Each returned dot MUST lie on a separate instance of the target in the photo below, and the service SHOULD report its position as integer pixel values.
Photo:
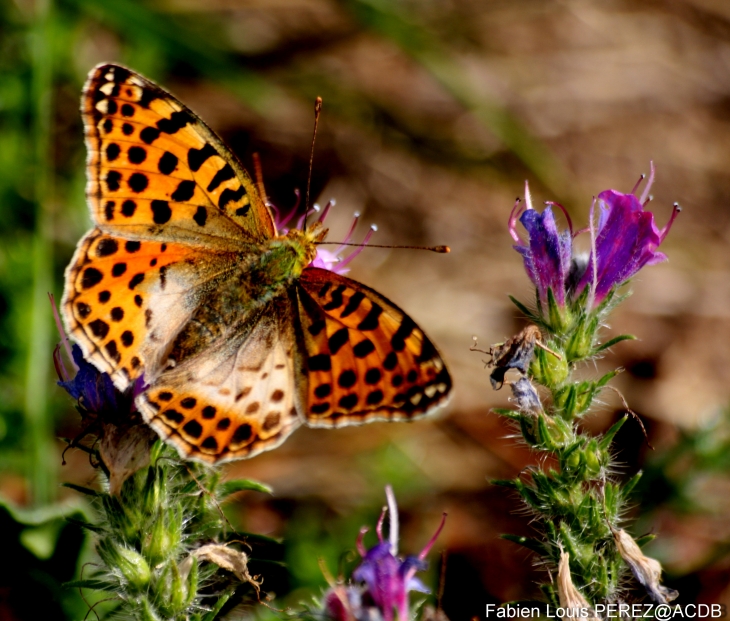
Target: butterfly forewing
(366, 359)
(156, 171)
(125, 299)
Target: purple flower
(93, 390)
(325, 259)
(547, 252)
(388, 578)
(627, 239)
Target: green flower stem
(576, 500)
(41, 473)
(163, 542)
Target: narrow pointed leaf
(610, 343)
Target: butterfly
(186, 282)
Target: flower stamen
(514, 216)
(676, 210)
(647, 189)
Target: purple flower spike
(627, 239)
(389, 578)
(547, 252)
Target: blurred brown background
(435, 113)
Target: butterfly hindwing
(156, 171)
(366, 359)
(235, 399)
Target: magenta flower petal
(389, 578)
(547, 253)
(627, 239)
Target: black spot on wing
(229, 195)
(224, 174)
(175, 123)
(91, 278)
(99, 328)
(128, 208)
(336, 300)
(197, 157)
(167, 163)
(136, 155)
(149, 134)
(138, 182)
(113, 178)
(184, 191)
(320, 362)
(337, 340)
(112, 152)
(193, 428)
(347, 379)
(353, 304)
(405, 329)
(371, 321)
(201, 216)
(363, 348)
(161, 212)
(106, 247)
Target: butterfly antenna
(259, 178)
(439, 249)
(317, 112)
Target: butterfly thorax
(287, 255)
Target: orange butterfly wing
(366, 359)
(156, 171)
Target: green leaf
(526, 542)
(607, 378)
(81, 489)
(505, 483)
(96, 585)
(525, 428)
(615, 340)
(554, 315)
(608, 438)
(644, 539)
(631, 484)
(94, 528)
(544, 434)
(524, 310)
(239, 485)
(511, 414)
(213, 613)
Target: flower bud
(130, 563)
(549, 370)
(592, 460)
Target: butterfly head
(301, 246)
